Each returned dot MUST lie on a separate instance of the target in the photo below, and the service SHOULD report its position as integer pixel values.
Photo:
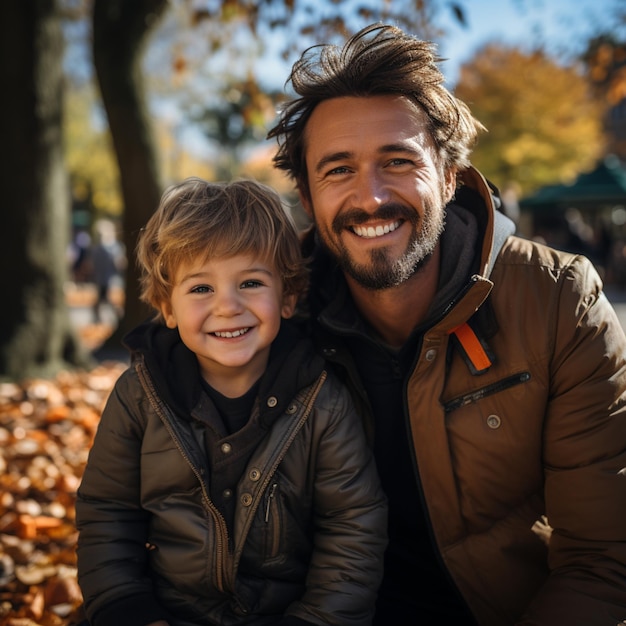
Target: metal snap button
(493, 421)
(430, 354)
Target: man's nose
(371, 191)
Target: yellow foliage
(89, 155)
(543, 123)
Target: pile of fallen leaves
(46, 431)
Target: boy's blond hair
(201, 220)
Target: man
(490, 370)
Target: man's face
(377, 190)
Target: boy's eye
(200, 289)
(247, 284)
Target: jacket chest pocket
(486, 391)
(503, 417)
(495, 436)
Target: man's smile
(370, 232)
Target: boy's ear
(168, 315)
(289, 305)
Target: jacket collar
(496, 226)
(329, 303)
(174, 368)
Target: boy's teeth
(230, 334)
(369, 232)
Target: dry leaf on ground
(46, 430)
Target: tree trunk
(36, 338)
(120, 32)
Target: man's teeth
(368, 232)
(227, 334)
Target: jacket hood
(172, 366)
(483, 198)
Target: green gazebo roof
(604, 186)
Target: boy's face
(228, 311)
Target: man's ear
(450, 183)
(305, 200)
(289, 305)
(168, 315)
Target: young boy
(229, 481)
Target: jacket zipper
(270, 497)
(221, 536)
(489, 390)
(275, 538)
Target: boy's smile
(230, 334)
(228, 311)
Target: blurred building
(587, 217)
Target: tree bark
(120, 33)
(36, 338)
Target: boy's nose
(227, 303)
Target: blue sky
(563, 26)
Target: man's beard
(382, 272)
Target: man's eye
(342, 169)
(400, 161)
